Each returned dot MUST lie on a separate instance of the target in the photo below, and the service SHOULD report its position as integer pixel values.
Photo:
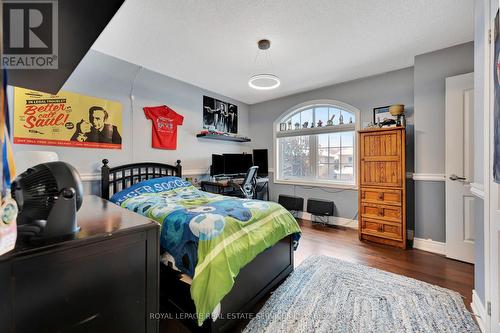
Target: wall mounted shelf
(223, 137)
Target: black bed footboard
(253, 283)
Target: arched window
(316, 144)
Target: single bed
(254, 281)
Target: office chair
(247, 188)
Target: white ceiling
(212, 43)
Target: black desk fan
(48, 196)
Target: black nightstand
(105, 279)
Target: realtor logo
(30, 34)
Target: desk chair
(247, 188)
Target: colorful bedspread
(210, 237)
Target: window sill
(317, 184)
(316, 130)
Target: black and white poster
(496, 115)
(219, 116)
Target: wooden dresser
(382, 186)
(104, 279)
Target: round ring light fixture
(264, 81)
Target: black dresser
(105, 279)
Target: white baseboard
(477, 190)
(333, 220)
(431, 177)
(429, 245)
(478, 310)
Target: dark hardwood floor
(343, 243)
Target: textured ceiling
(212, 43)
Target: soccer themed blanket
(210, 237)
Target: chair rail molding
(431, 177)
(90, 176)
(95, 176)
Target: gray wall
(364, 94)
(430, 210)
(430, 72)
(107, 77)
(422, 90)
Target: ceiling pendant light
(264, 81)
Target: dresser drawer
(383, 212)
(381, 229)
(382, 196)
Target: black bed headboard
(121, 177)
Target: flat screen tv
(246, 162)
(235, 164)
(217, 165)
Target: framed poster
(496, 112)
(219, 116)
(382, 113)
(66, 119)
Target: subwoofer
(320, 207)
(290, 202)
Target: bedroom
(126, 68)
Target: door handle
(455, 177)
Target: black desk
(225, 186)
(105, 279)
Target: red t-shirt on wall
(165, 122)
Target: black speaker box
(260, 160)
(291, 203)
(320, 207)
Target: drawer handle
(380, 228)
(381, 211)
(381, 196)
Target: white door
(459, 133)
(492, 229)
(494, 248)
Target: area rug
(325, 294)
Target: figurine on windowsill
(350, 120)
(329, 122)
(312, 125)
(289, 125)
(305, 124)
(341, 119)
(320, 123)
(297, 126)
